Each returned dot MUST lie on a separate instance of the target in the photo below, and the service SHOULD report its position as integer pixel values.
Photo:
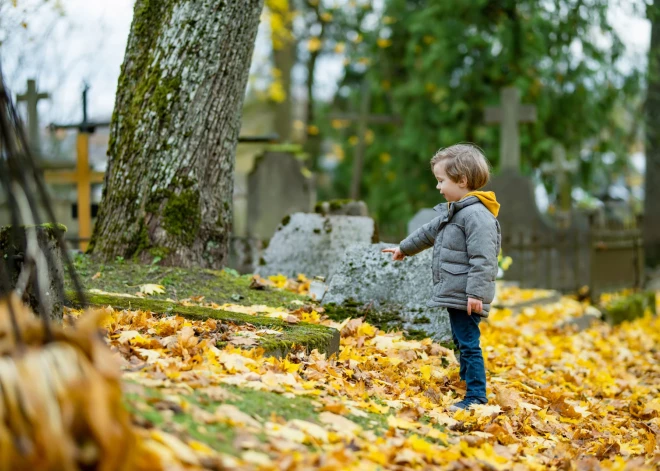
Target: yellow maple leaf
(396, 422)
(279, 280)
(151, 288)
(426, 372)
(367, 330)
(291, 367)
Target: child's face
(452, 191)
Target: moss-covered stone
(50, 229)
(219, 286)
(333, 205)
(311, 336)
(384, 320)
(13, 243)
(295, 149)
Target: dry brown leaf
(234, 416)
(508, 399)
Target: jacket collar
(449, 209)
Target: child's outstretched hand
(396, 253)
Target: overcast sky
(89, 43)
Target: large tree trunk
(651, 230)
(168, 188)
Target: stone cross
(560, 168)
(509, 114)
(32, 97)
(363, 118)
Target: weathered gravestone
(277, 186)
(312, 244)
(544, 255)
(366, 275)
(422, 217)
(342, 208)
(48, 277)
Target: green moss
(49, 228)
(416, 334)
(449, 344)
(285, 220)
(324, 339)
(332, 205)
(384, 320)
(181, 216)
(218, 286)
(337, 204)
(295, 149)
(148, 405)
(165, 91)
(628, 308)
(149, 91)
(139, 243)
(159, 252)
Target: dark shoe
(467, 403)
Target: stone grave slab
(312, 244)
(366, 275)
(278, 185)
(422, 217)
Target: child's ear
(463, 183)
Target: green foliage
(630, 307)
(438, 63)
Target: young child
(466, 241)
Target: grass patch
(219, 286)
(151, 408)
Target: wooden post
(82, 177)
(83, 181)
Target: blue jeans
(465, 332)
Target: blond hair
(464, 160)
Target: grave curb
(311, 336)
(552, 298)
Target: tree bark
(651, 229)
(170, 178)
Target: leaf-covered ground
(559, 398)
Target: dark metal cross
(363, 119)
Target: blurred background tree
(438, 63)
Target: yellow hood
(488, 200)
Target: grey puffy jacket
(466, 240)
